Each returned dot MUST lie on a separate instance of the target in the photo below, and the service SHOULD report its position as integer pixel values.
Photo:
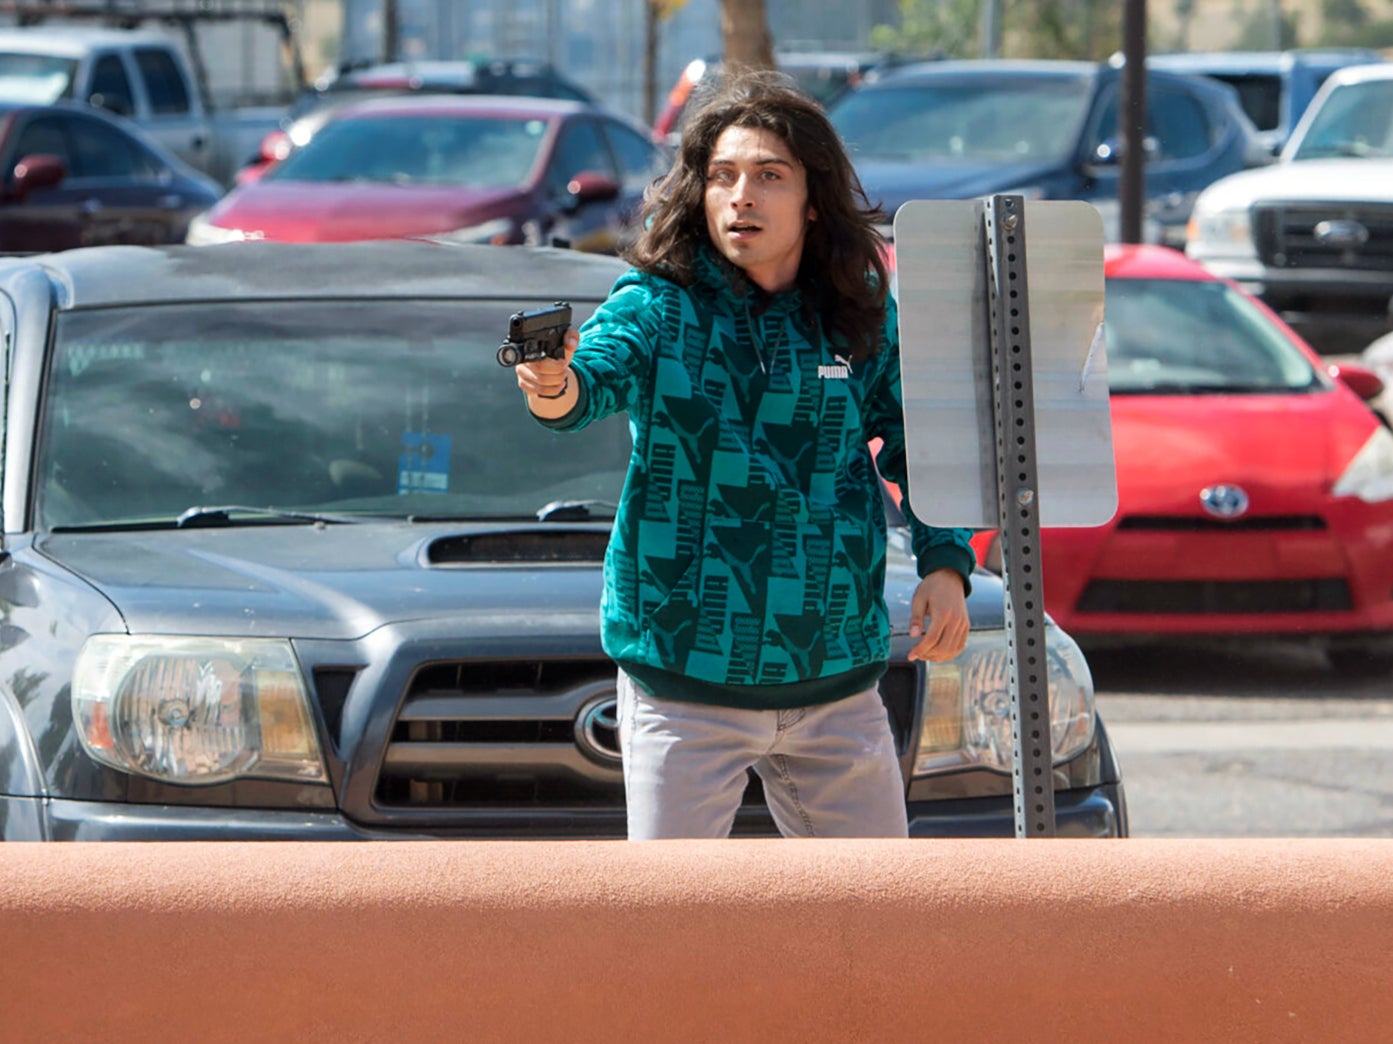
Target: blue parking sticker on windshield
(425, 463)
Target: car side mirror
(1109, 151)
(592, 187)
(1363, 382)
(39, 171)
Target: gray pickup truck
(141, 75)
(284, 557)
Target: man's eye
(769, 175)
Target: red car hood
(309, 212)
(1281, 451)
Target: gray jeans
(828, 771)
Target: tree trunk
(745, 32)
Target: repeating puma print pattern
(749, 549)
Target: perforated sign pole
(1017, 486)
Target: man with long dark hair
(755, 348)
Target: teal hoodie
(747, 563)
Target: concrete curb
(1134, 940)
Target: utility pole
(391, 31)
(989, 29)
(1131, 115)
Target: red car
(476, 169)
(1255, 484)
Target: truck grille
(1351, 236)
(514, 737)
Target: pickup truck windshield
(1187, 337)
(377, 408)
(36, 79)
(1012, 119)
(1356, 119)
(428, 150)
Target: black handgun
(534, 335)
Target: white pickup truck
(1312, 234)
(142, 75)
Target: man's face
(757, 205)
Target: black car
(74, 177)
(1042, 130)
(285, 557)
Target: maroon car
(75, 176)
(479, 169)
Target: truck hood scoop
(530, 545)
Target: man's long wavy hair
(842, 275)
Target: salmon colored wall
(1041, 940)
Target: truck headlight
(967, 708)
(195, 710)
(1219, 232)
(1369, 476)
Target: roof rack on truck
(186, 14)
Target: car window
(1179, 122)
(111, 88)
(579, 149)
(385, 408)
(1173, 336)
(36, 78)
(639, 159)
(401, 149)
(1355, 120)
(102, 151)
(46, 136)
(1005, 120)
(1259, 95)
(164, 85)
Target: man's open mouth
(740, 227)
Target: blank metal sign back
(945, 352)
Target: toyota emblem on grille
(597, 728)
(1341, 233)
(1224, 501)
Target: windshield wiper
(221, 515)
(575, 510)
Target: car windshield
(1184, 337)
(478, 151)
(1015, 119)
(1356, 119)
(371, 408)
(36, 79)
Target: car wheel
(1360, 663)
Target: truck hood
(893, 184)
(335, 582)
(310, 212)
(1340, 180)
(341, 582)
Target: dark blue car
(1043, 130)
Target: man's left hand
(941, 598)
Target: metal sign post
(1006, 413)
(1018, 515)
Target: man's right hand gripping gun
(534, 335)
